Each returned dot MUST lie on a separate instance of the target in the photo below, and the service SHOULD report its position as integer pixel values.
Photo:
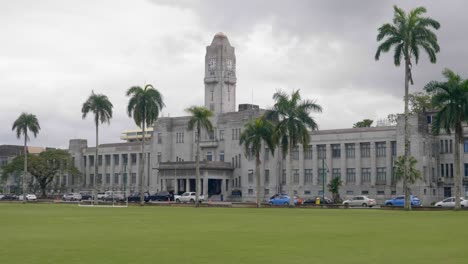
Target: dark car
(86, 196)
(162, 196)
(322, 201)
(135, 197)
(9, 197)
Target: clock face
(212, 64)
(229, 64)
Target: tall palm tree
(451, 99)
(291, 115)
(255, 132)
(200, 119)
(144, 105)
(101, 107)
(405, 169)
(408, 34)
(24, 123)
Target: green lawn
(66, 234)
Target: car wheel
(462, 205)
(286, 203)
(364, 205)
(346, 204)
(192, 200)
(271, 203)
(439, 205)
(177, 201)
(388, 204)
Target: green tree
(292, 120)
(451, 98)
(364, 123)
(255, 133)
(101, 107)
(45, 167)
(401, 165)
(200, 119)
(24, 123)
(334, 188)
(408, 34)
(419, 102)
(144, 105)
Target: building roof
(220, 39)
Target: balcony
(212, 143)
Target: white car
(71, 197)
(29, 197)
(450, 202)
(189, 197)
(361, 200)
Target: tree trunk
(25, 172)
(257, 175)
(407, 135)
(456, 154)
(96, 163)
(290, 190)
(43, 190)
(142, 164)
(197, 170)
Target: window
(296, 176)
(441, 170)
(429, 119)
(91, 178)
(116, 159)
(350, 150)
(322, 175)
(239, 160)
(108, 178)
(349, 193)
(336, 173)
(221, 155)
(100, 160)
(364, 192)
(159, 157)
(451, 146)
(307, 192)
(133, 179)
(308, 176)
(308, 152)
(235, 161)
(267, 191)
(350, 175)
(221, 134)
(447, 170)
(381, 149)
(393, 148)
(365, 150)
(108, 160)
(295, 153)
(283, 177)
(267, 177)
(251, 192)
(180, 137)
(266, 155)
(236, 133)
(159, 138)
(465, 145)
(365, 175)
(380, 192)
(381, 175)
(116, 178)
(134, 158)
(466, 169)
(336, 150)
(99, 178)
(209, 156)
(321, 151)
(250, 176)
(451, 170)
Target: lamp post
(125, 179)
(323, 180)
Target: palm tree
(101, 107)
(255, 132)
(200, 119)
(291, 115)
(24, 123)
(405, 169)
(144, 105)
(408, 34)
(451, 99)
(334, 188)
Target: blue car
(400, 201)
(281, 200)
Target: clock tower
(220, 75)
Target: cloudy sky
(53, 53)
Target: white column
(343, 163)
(373, 163)
(315, 165)
(329, 164)
(388, 163)
(137, 171)
(357, 155)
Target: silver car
(450, 202)
(361, 200)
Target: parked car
(162, 196)
(29, 197)
(135, 197)
(113, 196)
(361, 200)
(282, 200)
(189, 197)
(86, 196)
(72, 197)
(101, 195)
(400, 201)
(8, 197)
(450, 202)
(322, 201)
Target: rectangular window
(108, 178)
(466, 169)
(336, 150)
(99, 178)
(446, 150)
(251, 192)
(159, 138)
(322, 175)
(321, 152)
(108, 160)
(221, 156)
(442, 170)
(394, 150)
(365, 150)
(350, 151)
(295, 153)
(283, 177)
(307, 192)
(296, 176)
(266, 155)
(267, 177)
(91, 179)
(100, 160)
(451, 170)
(381, 149)
(380, 192)
(116, 159)
(267, 191)
(133, 180)
(221, 134)
(134, 158)
(364, 192)
(447, 170)
(350, 175)
(365, 175)
(465, 145)
(381, 175)
(336, 173)
(116, 178)
(250, 176)
(159, 157)
(349, 192)
(308, 153)
(209, 156)
(451, 146)
(308, 176)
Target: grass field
(66, 234)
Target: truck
(189, 197)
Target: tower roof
(220, 39)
